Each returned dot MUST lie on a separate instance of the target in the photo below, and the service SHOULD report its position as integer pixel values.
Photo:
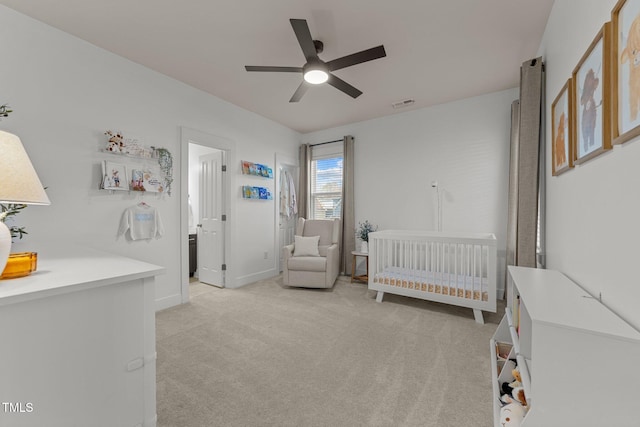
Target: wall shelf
(152, 173)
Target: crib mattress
(457, 285)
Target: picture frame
(625, 28)
(137, 180)
(562, 116)
(114, 176)
(592, 99)
(148, 179)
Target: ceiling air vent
(403, 103)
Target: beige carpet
(268, 355)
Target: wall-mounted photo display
(625, 70)
(591, 99)
(562, 131)
(157, 178)
(260, 193)
(114, 176)
(250, 168)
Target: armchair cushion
(308, 263)
(306, 246)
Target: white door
(211, 226)
(287, 224)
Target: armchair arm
(333, 263)
(287, 252)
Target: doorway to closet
(205, 203)
(207, 214)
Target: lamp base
(20, 264)
(5, 244)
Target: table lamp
(19, 184)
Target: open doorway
(205, 203)
(206, 215)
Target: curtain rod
(328, 142)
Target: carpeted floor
(268, 355)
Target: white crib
(444, 267)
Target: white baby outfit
(142, 221)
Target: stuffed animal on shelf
(517, 396)
(511, 415)
(116, 141)
(507, 388)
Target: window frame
(319, 153)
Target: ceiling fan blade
(357, 58)
(302, 89)
(343, 86)
(275, 69)
(303, 34)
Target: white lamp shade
(19, 182)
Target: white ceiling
(437, 50)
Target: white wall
(65, 93)
(592, 211)
(463, 145)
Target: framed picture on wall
(591, 99)
(137, 178)
(114, 176)
(625, 70)
(148, 179)
(562, 131)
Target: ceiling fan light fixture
(316, 75)
(315, 71)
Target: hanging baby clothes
(293, 202)
(288, 204)
(191, 220)
(284, 194)
(142, 221)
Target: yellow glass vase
(20, 264)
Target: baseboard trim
(169, 301)
(254, 277)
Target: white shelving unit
(577, 358)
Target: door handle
(199, 225)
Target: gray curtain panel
(531, 85)
(348, 235)
(512, 214)
(303, 190)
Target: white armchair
(314, 261)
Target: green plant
(165, 160)
(5, 110)
(12, 209)
(364, 228)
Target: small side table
(362, 277)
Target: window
(326, 181)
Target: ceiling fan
(317, 71)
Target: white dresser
(578, 359)
(78, 343)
